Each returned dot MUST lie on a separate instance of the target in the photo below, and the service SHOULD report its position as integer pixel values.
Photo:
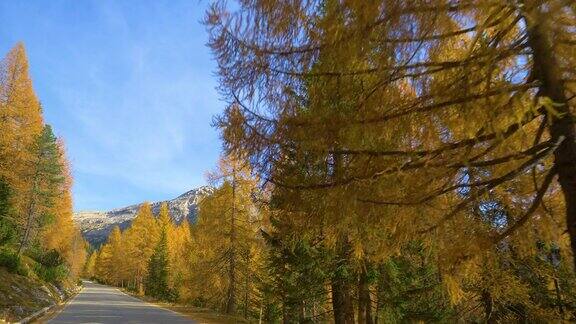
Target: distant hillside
(97, 225)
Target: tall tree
(47, 174)
(469, 96)
(164, 218)
(89, 270)
(60, 233)
(140, 241)
(157, 284)
(224, 235)
(20, 117)
(178, 240)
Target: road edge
(46, 310)
(192, 317)
(150, 303)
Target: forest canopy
(377, 125)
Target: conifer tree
(46, 177)
(157, 284)
(388, 121)
(409, 288)
(89, 270)
(164, 219)
(177, 240)
(401, 92)
(21, 124)
(103, 267)
(223, 240)
(60, 233)
(302, 291)
(140, 240)
(117, 257)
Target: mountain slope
(97, 225)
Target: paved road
(104, 304)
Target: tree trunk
(559, 297)
(231, 301)
(30, 210)
(488, 307)
(341, 291)
(260, 317)
(364, 302)
(285, 314)
(247, 287)
(342, 302)
(361, 301)
(561, 127)
(301, 313)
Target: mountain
(97, 225)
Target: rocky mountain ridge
(97, 225)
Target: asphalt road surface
(104, 304)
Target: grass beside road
(202, 315)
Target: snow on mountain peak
(97, 225)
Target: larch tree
(164, 218)
(20, 118)
(178, 255)
(140, 240)
(117, 263)
(22, 125)
(89, 270)
(224, 237)
(474, 96)
(422, 119)
(110, 262)
(103, 267)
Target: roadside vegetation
(41, 251)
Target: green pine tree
(409, 288)
(157, 280)
(46, 178)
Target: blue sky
(130, 87)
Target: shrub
(8, 229)
(51, 258)
(51, 274)
(49, 265)
(8, 233)
(12, 262)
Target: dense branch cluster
(382, 123)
